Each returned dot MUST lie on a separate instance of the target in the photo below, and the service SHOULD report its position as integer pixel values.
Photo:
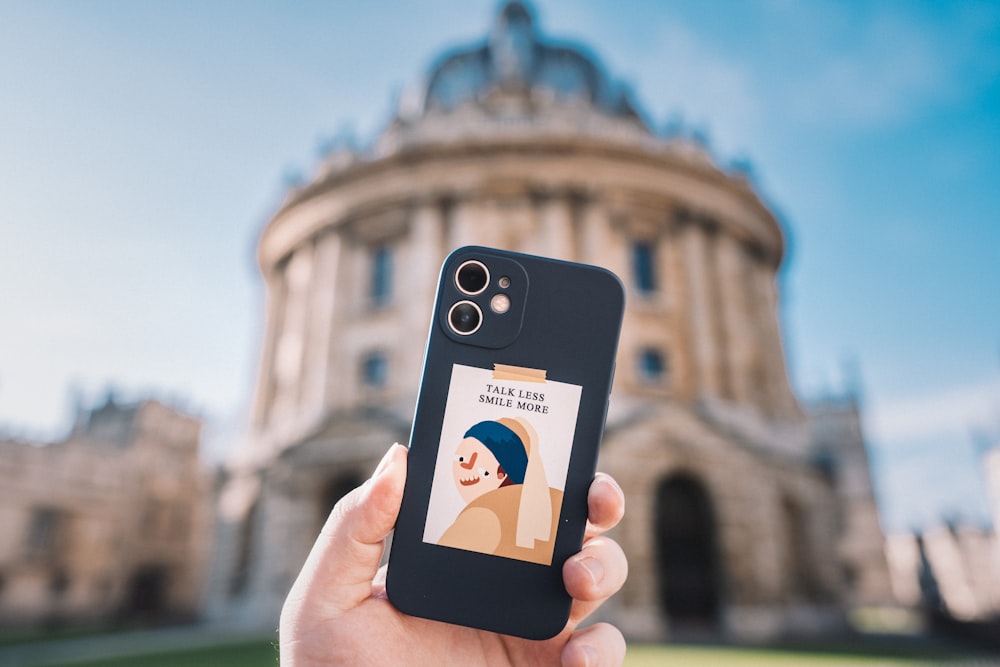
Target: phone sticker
(502, 462)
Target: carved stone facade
(991, 466)
(745, 515)
(952, 569)
(111, 522)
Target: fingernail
(589, 656)
(610, 481)
(384, 463)
(594, 568)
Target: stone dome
(516, 60)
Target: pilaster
(274, 304)
(701, 310)
(289, 356)
(555, 227)
(736, 324)
(423, 263)
(322, 300)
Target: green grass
(19, 636)
(689, 656)
(263, 653)
(259, 653)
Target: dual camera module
(472, 278)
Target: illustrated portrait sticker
(506, 441)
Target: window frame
(645, 277)
(652, 376)
(381, 257)
(374, 370)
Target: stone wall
(113, 520)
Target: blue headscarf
(505, 445)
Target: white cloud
(838, 71)
(956, 411)
(934, 485)
(893, 65)
(711, 91)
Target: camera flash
(500, 303)
(504, 282)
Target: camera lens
(472, 277)
(465, 318)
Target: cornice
(393, 181)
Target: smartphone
(509, 417)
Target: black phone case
(569, 326)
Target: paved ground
(102, 647)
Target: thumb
(339, 571)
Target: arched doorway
(147, 592)
(687, 556)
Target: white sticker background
(465, 409)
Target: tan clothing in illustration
(489, 525)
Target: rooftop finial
(514, 63)
(512, 44)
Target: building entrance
(687, 557)
(147, 592)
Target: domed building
(747, 515)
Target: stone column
(322, 306)
(701, 310)
(289, 357)
(601, 244)
(460, 228)
(274, 302)
(735, 320)
(555, 227)
(349, 287)
(422, 266)
(713, 237)
(680, 362)
(474, 222)
(776, 393)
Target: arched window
(644, 267)
(380, 285)
(652, 365)
(687, 556)
(374, 370)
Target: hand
(337, 612)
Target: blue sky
(143, 146)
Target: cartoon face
(475, 469)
